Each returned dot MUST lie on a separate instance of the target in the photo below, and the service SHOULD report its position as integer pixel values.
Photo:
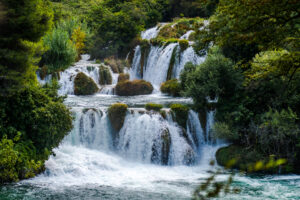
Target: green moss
(84, 85)
(98, 61)
(171, 87)
(123, 77)
(163, 113)
(157, 41)
(145, 44)
(184, 44)
(105, 76)
(153, 106)
(172, 63)
(132, 88)
(117, 114)
(170, 40)
(180, 114)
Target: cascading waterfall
(145, 137)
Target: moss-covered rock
(123, 77)
(184, 44)
(171, 87)
(153, 106)
(132, 88)
(117, 114)
(84, 85)
(180, 114)
(105, 76)
(172, 63)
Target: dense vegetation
(254, 74)
(33, 119)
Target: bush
(123, 77)
(171, 87)
(117, 114)
(184, 44)
(153, 106)
(180, 114)
(32, 123)
(223, 131)
(132, 88)
(105, 76)
(61, 51)
(84, 85)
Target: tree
(26, 21)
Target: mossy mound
(153, 106)
(180, 114)
(132, 88)
(105, 76)
(84, 85)
(171, 87)
(123, 77)
(184, 44)
(117, 113)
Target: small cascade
(145, 137)
(152, 32)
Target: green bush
(61, 51)
(84, 85)
(105, 76)
(117, 114)
(33, 121)
(180, 114)
(184, 44)
(171, 87)
(153, 106)
(123, 77)
(132, 88)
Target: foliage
(78, 37)
(123, 77)
(171, 87)
(17, 48)
(216, 77)
(180, 114)
(61, 51)
(153, 106)
(184, 44)
(132, 88)
(117, 113)
(84, 85)
(223, 131)
(105, 76)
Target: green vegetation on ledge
(171, 87)
(105, 75)
(153, 106)
(180, 114)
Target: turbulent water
(151, 157)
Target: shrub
(180, 114)
(145, 44)
(61, 51)
(105, 76)
(117, 114)
(171, 87)
(223, 131)
(153, 106)
(123, 77)
(132, 88)
(84, 85)
(184, 44)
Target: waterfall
(145, 137)
(158, 61)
